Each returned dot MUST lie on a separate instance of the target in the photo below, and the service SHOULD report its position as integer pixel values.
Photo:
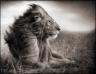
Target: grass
(77, 46)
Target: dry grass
(77, 46)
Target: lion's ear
(37, 18)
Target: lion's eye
(37, 18)
(50, 21)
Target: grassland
(76, 46)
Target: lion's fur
(29, 35)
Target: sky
(77, 16)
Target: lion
(29, 36)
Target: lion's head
(37, 20)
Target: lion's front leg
(44, 55)
(57, 60)
(59, 57)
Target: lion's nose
(58, 28)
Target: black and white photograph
(47, 37)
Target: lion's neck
(42, 43)
(43, 50)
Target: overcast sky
(71, 16)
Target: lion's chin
(53, 36)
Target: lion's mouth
(52, 34)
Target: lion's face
(42, 25)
